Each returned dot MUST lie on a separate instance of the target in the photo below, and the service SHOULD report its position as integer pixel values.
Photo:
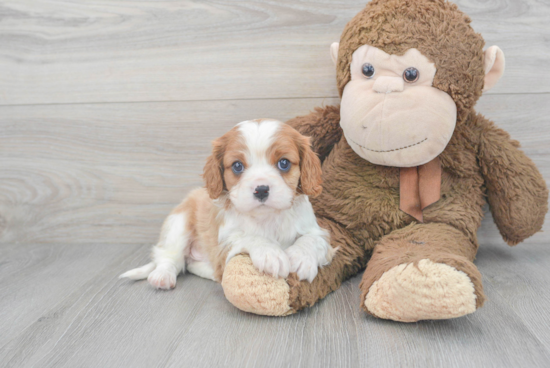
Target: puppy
(258, 179)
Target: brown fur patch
(234, 151)
(203, 223)
(305, 173)
(284, 146)
(212, 172)
(291, 141)
(217, 173)
(311, 173)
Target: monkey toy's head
(408, 72)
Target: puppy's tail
(139, 273)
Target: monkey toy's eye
(283, 164)
(237, 167)
(368, 70)
(411, 75)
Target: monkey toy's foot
(420, 272)
(428, 290)
(251, 291)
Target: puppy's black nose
(261, 192)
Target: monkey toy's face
(391, 114)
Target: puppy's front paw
(303, 263)
(163, 277)
(271, 260)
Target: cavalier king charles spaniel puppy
(258, 179)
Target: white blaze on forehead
(258, 136)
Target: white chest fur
(282, 226)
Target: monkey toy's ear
(493, 64)
(334, 52)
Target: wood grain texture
(95, 320)
(111, 172)
(127, 50)
(520, 279)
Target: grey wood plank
(110, 173)
(34, 278)
(131, 324)
(95, 51)
(112, 323)
(520, 277)
(323, 336)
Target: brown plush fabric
(516, 191)
(323, 126)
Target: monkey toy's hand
(516, 190)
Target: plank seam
(221, 100)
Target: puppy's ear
(213, 170)
(310, 169)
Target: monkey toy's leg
(251, 291)
(423, 271)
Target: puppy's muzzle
(261, 193)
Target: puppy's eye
(283, 164)
(237, 167)
(368, 70)
(411, 75)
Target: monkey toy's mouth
(401, 153)
(391, 150)
(397, 129)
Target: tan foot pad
(407, 293)
(251, 291)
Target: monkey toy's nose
(385, 84)
(261, 192)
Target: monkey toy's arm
(516, 190)
(322, 126)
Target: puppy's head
(262, 164)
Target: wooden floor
(63, 306)
(107, 109)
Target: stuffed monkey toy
(407, 167)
